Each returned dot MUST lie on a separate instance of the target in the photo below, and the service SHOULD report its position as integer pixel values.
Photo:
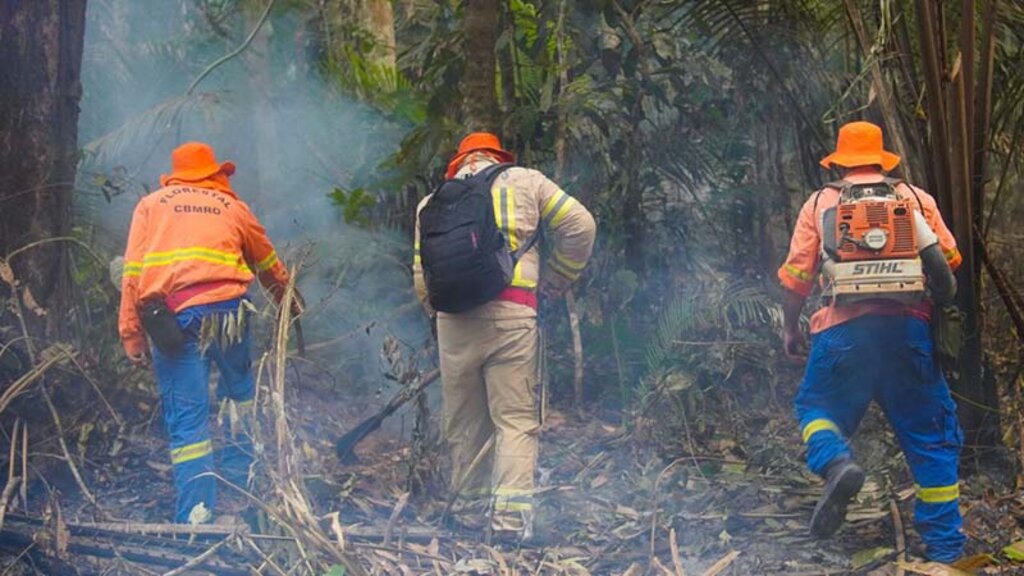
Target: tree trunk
(480, 27)
(40, 64)
(375, 19)
(886, 98)
(952, 155)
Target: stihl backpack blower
(877, 244)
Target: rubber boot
(843, 480)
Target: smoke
(292, 133)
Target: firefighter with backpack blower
(885, 259)
(477, 266)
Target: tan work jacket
(523, 200)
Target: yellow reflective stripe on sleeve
(569, 263)
(819, 425)
(191, 452)
(562, 212)
(132, 269)
(555, 202)
(416, 253)
(798, 273)
(561, 269)
(267, 263)
(951, 254)
(938, 494)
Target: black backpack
(466, 258)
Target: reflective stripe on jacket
(523, 200)
(187, 234)
(801, 267)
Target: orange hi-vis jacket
(191, 233)
(801, 267)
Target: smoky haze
(292, 134)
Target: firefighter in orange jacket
(193, 250)
(877, 349)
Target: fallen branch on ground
(347, 443)
(22, 531)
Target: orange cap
(860, 144)
(194, 161)
(478, 142)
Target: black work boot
(843, 480)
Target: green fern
(718, 306)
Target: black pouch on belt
(160, 323)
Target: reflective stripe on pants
(184, 392)
(888, 359)
(489, 381)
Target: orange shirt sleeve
(260, 254)
(129, 325)
(801, 266)
(946, 239)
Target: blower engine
(870, 245)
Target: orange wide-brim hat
(195, 161)
(860, 144)
(478, 142)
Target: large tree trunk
(40, 61)
(954, 164)
(480, 26)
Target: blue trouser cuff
(194, 486)
(235, 459)
(939, 525)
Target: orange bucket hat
(860, 144)
(478, 142)
(194, 161)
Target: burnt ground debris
(613, 500)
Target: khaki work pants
(489, 385)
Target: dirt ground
(732, 499)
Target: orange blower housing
(870, 229)
(869, 247)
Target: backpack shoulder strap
(895, 182)
(487, 176)
(491, 173)
(839, 185)
(518, 254)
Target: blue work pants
(184, 392)
(888, 359)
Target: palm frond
(723, 306)
(143, 129)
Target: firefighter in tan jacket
(489, 354)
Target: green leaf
(1015, 551)
(355, 205)
(865, 557)
(335, 570)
